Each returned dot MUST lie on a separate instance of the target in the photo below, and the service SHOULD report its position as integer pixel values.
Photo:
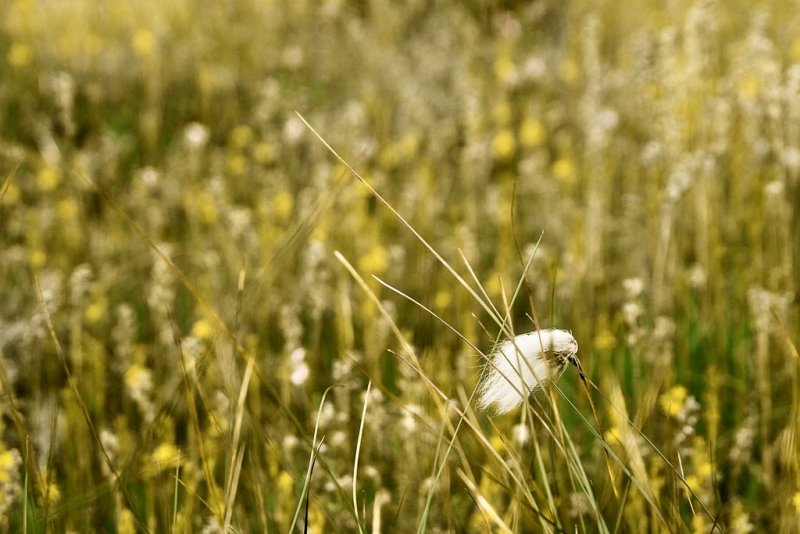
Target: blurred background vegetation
(654, 147)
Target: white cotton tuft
(518, 367)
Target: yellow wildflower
(375, 261)
(165, 456)
(532, 133)
(12, 194)
(694, 483)
(316, 519)
(19, 54)
(95, 311)
(138, 379)
(48, 178)
(564, 170)
(8, 463)
(206, 208)
(568, 70)
(497, 443)
(704, 470)
(282, 205)
(126, 522)
(504, 67)
(407, 146)
(52, 494)
(672, 401)
(202, 329)
(93, 43)
(796, 502)
(504, 145)
(613, 435)
(264, 153)
(285, 483)
(492, 286)
(604, 340)
(389, 157)
(750, 87)
(38, 258)
(144, 43)
(67, 210)
(237, 164)
(442, 299)
(502, 113)
(240, 136)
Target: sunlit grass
(256, 256)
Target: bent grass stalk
(25, 495)
(502, 323)
(82, 405)
(485, 506)
(311, 460)
(675, 471)
(576, 464)
(196, 294)
(499, 321)
(585, 484)
(237, 455)
(515, 472)
(175, 496)
(30, 462)
(204, 304)
(314, 456)
(358, 452)
(405, 223)
(535, 319)
(191, 386)
(8, 180)
(437, 394)
(599, 427)
(474, 391)
(423, 522)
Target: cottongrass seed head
(519, 367)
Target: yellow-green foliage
(172, 309)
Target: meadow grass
(256, 255)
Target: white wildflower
(633, 287)
(300, 370)
(300, 374)
(298, 355)
(149, 176)
(408, 422)
(195, 135)
(519, 367)
(293, 130)
(697, 276)
(632, 311)
(521, 434)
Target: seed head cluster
(524, 364)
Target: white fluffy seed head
(518, 367)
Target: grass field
(211, 321)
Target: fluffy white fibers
(518, 367)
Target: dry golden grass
(255, 255)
